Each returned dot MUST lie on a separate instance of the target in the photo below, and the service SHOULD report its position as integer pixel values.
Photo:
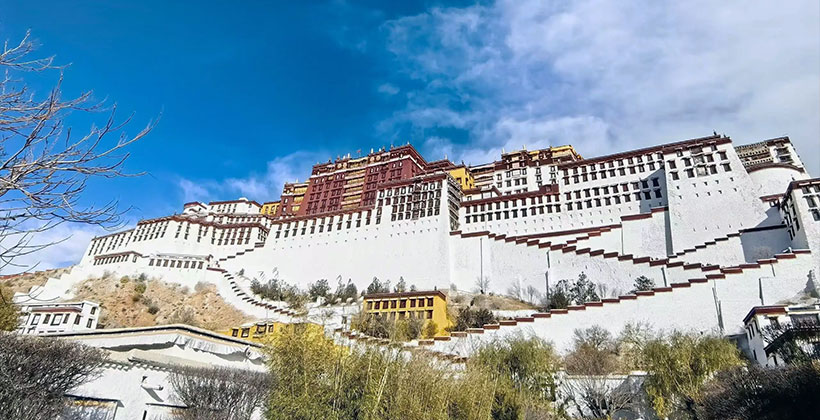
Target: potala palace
(719, 227)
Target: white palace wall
(690, 308)
(415, 250)
(712, 202)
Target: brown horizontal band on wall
(665, 148)
(638, 216)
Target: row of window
(703, 170)
(570, 206)
(420, 314)
(150, 231)
(114, 259)
(108, 243)
(161, 262)
(813, 200)
(245, 332)
(60, 319)
(399, 303)
(305, 229)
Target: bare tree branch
(44, 167)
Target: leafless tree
(482, 284)
(532, 294)
(36, 373)
(515, 290)
(44, 166)
(593, 389)
(220, 393)
(601, 396)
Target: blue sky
(251, 94)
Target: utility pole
(481, 264)
(547, 278)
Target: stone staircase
(246, 301)
(683, 304)
(727, 247)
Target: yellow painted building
(254, 331)
(270, 208)
(464, 177)
(426, 305)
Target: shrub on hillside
(320, 289)
(219, 393)
(643, 283)
(525, 365)
(316, 379)
(36, 373)
(9, 312)
(680, 364)
(473, 318)
(755, 393)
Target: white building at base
(56, 317)
(134, 382)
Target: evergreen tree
(9, 312)
(401, 286)
(643, 283)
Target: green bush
(140, 288)
(680, 364)
(317, 380)
(473, 318)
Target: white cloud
(264, 186)
(193, 191)
(610, 76)
(70, 241)
(388, 89)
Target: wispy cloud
(388, 89)
(69, 242)
(260, 186)
(609, 76)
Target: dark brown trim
(423, 293)
(665, 148)
(764, 310)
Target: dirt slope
(129, 302)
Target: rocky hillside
(24, 282)
(137, 302)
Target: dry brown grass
(479, 301)
(125, 304)
(24, 282)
